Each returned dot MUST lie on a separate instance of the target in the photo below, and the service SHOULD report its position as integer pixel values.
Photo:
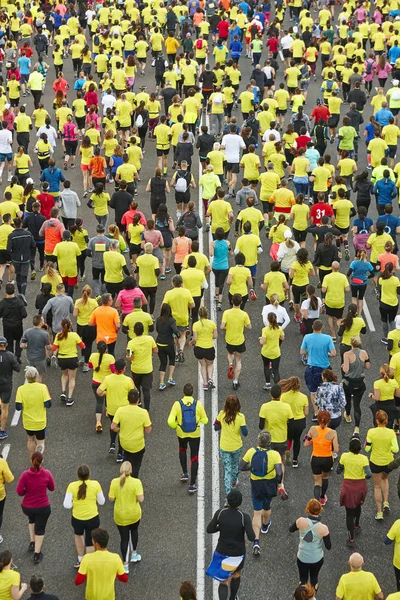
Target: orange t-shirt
(106, 320)
(52, 236)
(386, 258)
(97, 166)
(182, 248)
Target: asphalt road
(172, 541)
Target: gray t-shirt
(62, 307)
(36, 340)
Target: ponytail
(83, 475)
(388, 271)
(125, 472)
(274, 300)
(5, 559)
(86, 293)
(102, 349)
(66, 327)
(313, 299)
(36, 461)
(385, 372)
(281, 221)
(272, 321)
(349, 318)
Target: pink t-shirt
(154, 237)
(126, 298)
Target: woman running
(326, 253)
(167, 332)
(270, 340)
(389, 286)
(127, 494)
(313, 537)
(330, 397)
(324, 442)
(66, 343)
(219, 250)
(355, 361)
(359, 272)
(102, 364)
(181, 246)
(281, 313)
(33, 485)
(310, 311)
(204, 332)
(298, 402)
(354, 487)
(299, 274)
(82, 497)
(126, 296)
(232, 425)
(386, 389)
(351, 326)
(10, 580)
(382, 443)
(165, 224)
(83, 309)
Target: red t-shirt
(302, 140)
(273, 44)
(223, 27)
(319, 210)
(320, 112)
(46, 204)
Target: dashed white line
(6, 451)
(16, 418)
(368, 317)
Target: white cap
(30, 180)
(397, 321)
(288, 234)
(395, 82)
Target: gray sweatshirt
(61, 307)
(69, 203)
(96, 248)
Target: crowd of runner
(277, 175)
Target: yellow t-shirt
(389, 290)
(351, 583)
(54, 282)
(252, 165)
(137, 316)
(219, 211)
(142, 354)
(113, 264)
(193, 280)
(179, 300)
(230, 438)
(271, 348)
(204, 329)
(67, 348)
(116, 387)
(127, 509)
(85, 508)
(301, 277)
(248, 244)
(394, 534)
(335, 285)
(8, 578)
(104, 368)
(101, 569)
(297, 402)
(66, 253)
(32, 396)
(353, 465)
(275, 281)
(5, 231)
(300, 213)
(132, 420)
(240, 275)
(276, 415)
(85, 310)
(147, 264)
(384, 443)
(235, 321)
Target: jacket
(53, 176)
(120, 202)
(385, 190)
(20, 244)
(69, 203)
(102, 242)
(33, 223)
(12, 311)
(8, 364)
(204, 144)
(62, 307)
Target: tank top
(220, 261)
(321, 446)
(157, 188)
(356, 369)
(69, 132)
(117, 162)
(182, 249)
(310, 547)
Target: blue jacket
(385, 190)
(382, 116)
(236, 49)
(54, 177)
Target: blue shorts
(313, 378)
(262, 492)
(4, 157)
(129, 53)
(253, 270)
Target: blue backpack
(259, 463)
(189, 423)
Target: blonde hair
(86, 293)
(125, 472)
(148, 247)
(274, 300)
(210, 168)
(356, 341)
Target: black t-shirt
(232, 524)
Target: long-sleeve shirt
(62, 307)
(69, 202)
(33, 485)
(232, 525)
(330, 397)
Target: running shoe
(323, 500)
(111, 449)
(205, 387)
(347, 417)
(184, 478)
(256, 549)
(291, 305)
(211, 384)
(168, 270)
(82, 361)
(119, 458)
(99, 428)
(63, 396)
(69, 402)
(171, 381)
(252, 294)
(304, 360)
(377, 294)
(357, 529)
(53, 361)
(386, 507)
(384, 341)
(3, 435)
(181, 357)
(163, 276)
(265, 528)
(37, 557)
(162, 386)
(297, 318)
(192, 489)
(236, 385)
(267, 386)
(219, 306)
(288, 458)
(231, 371)
(295, 464)
(85, 368)
(126, 568)
(135, 557)
(350, 542)
(33, 275)
(282, 493)
(77, 564)
(346, 254)
(314, 419)
(31, 546)
(379, 516)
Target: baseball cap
(3, 341)
(100, 228)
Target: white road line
(16, 418)
(368, 317)
(201, 513)
(6, 451)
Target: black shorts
(5, 395)
(394, 111)
(38, 434)
(321, 464)
(239, 349)
(334, 312)
(134, 249)
(161, 152)
(70, 148)
(232, 167)
(286, 53)
(85, 528)
(4, 257)
(262, 493)
(292, 90)
(392, 151)
(378, 468)
(333, 121)
(267, 206)
(204, 353)
(299, 236)
(280, 447)
(38, 517)
(200, 61)
(127, 128)
(358, 291)
(281, 111)
(69, 364)
(14, 102)
(298, 291)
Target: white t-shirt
(312, 314)
(232, 144)
(50, 132)
(282, 316)
(108, 101)
(274, 132)
(286, 42)
(89, 14)
(5, 142)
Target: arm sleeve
(251, 536)
(213, 525)
(293, 527)
(68, 500)
(100, 498)
(327, 541)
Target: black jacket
(120, 202)
(166, 331)
(184, 151)
(33, 222)
(8, 364)
(208, 79)
(260, 78)
(363, 188)
(12, 311)
(325, 255)
(204, 144)
(20, 245)
(359, 97)
(356, 119)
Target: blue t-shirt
(370, 132)
(391, 224)
(313, 155)
(24, 63)
(318, 345)
(363, 226)
(360, 268)
(221, 255)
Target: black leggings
(194, 444)
(38, 517)
(352, 518)
(195, 310)
(99, 399)
(397, 575)
(81, 262)
(309, 571)
(113, 436)
(150, 293)
(220, 277)
(166, 354)
(354, 388)
(2, 503)
(295, 430)
(128, 533)
(274, 368)
(88, 335)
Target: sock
(317, 492)
(235, 583)
(80, 558)
(325, 483)
(223, 591)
